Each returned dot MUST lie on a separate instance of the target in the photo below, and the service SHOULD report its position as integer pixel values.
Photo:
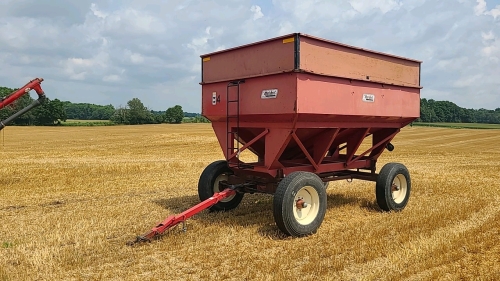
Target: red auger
(34, 84)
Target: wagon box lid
(307, 36)
(298, 52)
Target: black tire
(389, 197)
(286, 214)
(207, 188)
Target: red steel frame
(322, 154)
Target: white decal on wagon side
(269, 94)
(368, 98)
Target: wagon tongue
(165, 225)
(174, 220)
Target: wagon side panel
(323, 57)
(259, 98)
(341, 97)
(269, 57)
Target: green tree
(158, 117)
(120, 116)
(201, 119)
(138, 113)
(49, 113)
(174, 115)
(103, 112)
(87, 111)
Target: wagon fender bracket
(174, 220)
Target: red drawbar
(174, 220)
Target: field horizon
(72, 197)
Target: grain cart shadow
(255, 210)
(339, 200)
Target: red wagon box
(306, 53)
(304, 106)
(308, 75)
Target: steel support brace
(304, 150)
(373, 147)
(354, 143)
(249, 144)
(323, 143)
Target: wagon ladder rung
(231, 131)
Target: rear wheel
(299, 204)
(209, 184)
(393, 187)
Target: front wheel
(209, 184)
(299, 204)
(393, 187)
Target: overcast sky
(110, 51)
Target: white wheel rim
(399, 188)
(307, 214)
(216, 187)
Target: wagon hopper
(303, 105)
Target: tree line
(445, 111)
(134, 113)
(53, 112)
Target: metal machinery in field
(303, 105)
(34, 84)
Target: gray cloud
(108, 52)
(61, 11)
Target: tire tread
(284, 218)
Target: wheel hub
(306, 205)
(300, 204)
(216, 187)
(399, 188)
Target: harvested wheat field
(72, 197)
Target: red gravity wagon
(303, 106)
